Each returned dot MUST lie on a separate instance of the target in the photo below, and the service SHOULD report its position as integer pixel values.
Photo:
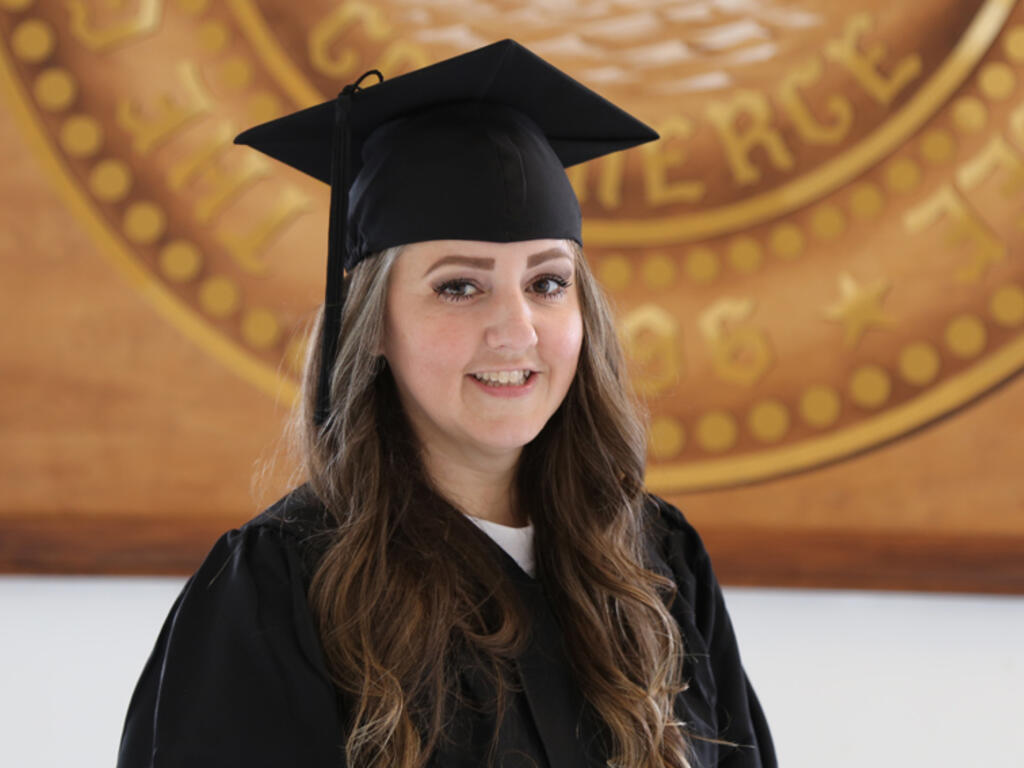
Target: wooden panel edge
(108, 544)
(763, 557)
(878, 560)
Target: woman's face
(483, 340)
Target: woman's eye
(550, 285)
(456, 290)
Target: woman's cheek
(564, 341)
(573, 338)
(445, 344)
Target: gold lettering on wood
(402, 56)
(650, 334)
(864, 65)
(610, 180)
(807, 125)
(186, 169)
(996, 155)
(247, 247)
(578, 178)
(739, 349)
(222, 186)
(610, 170)
(662, 155)
(966, 227)
(226, 185)
(324, 43)
(1017, 125)
(172, 115)
(753, 108)
(102, 37)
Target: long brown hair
(405, 586)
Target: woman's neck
(481, 486)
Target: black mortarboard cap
(470, 148)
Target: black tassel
(334, 291)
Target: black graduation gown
(238, 678)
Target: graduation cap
(470, 148)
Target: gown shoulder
(237, 675)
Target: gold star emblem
(859, 307)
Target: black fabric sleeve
(237, 676)
(720, 691)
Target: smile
(504, 378)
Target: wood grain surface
(126, 448)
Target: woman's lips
(506, 390)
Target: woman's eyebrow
(467, 261)
(480, 262)
(551, 253)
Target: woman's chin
(510, 439)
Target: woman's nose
(510, 324)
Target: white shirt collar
(518, 542)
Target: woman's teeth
(503, 378)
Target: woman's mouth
(504, 378)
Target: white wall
(847, 679)
(858, 679)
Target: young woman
(473, 574)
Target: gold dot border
(143, 223)
(278, 388)
(787, 238)
(870, 385)
(868, 388)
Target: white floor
(847, 679)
